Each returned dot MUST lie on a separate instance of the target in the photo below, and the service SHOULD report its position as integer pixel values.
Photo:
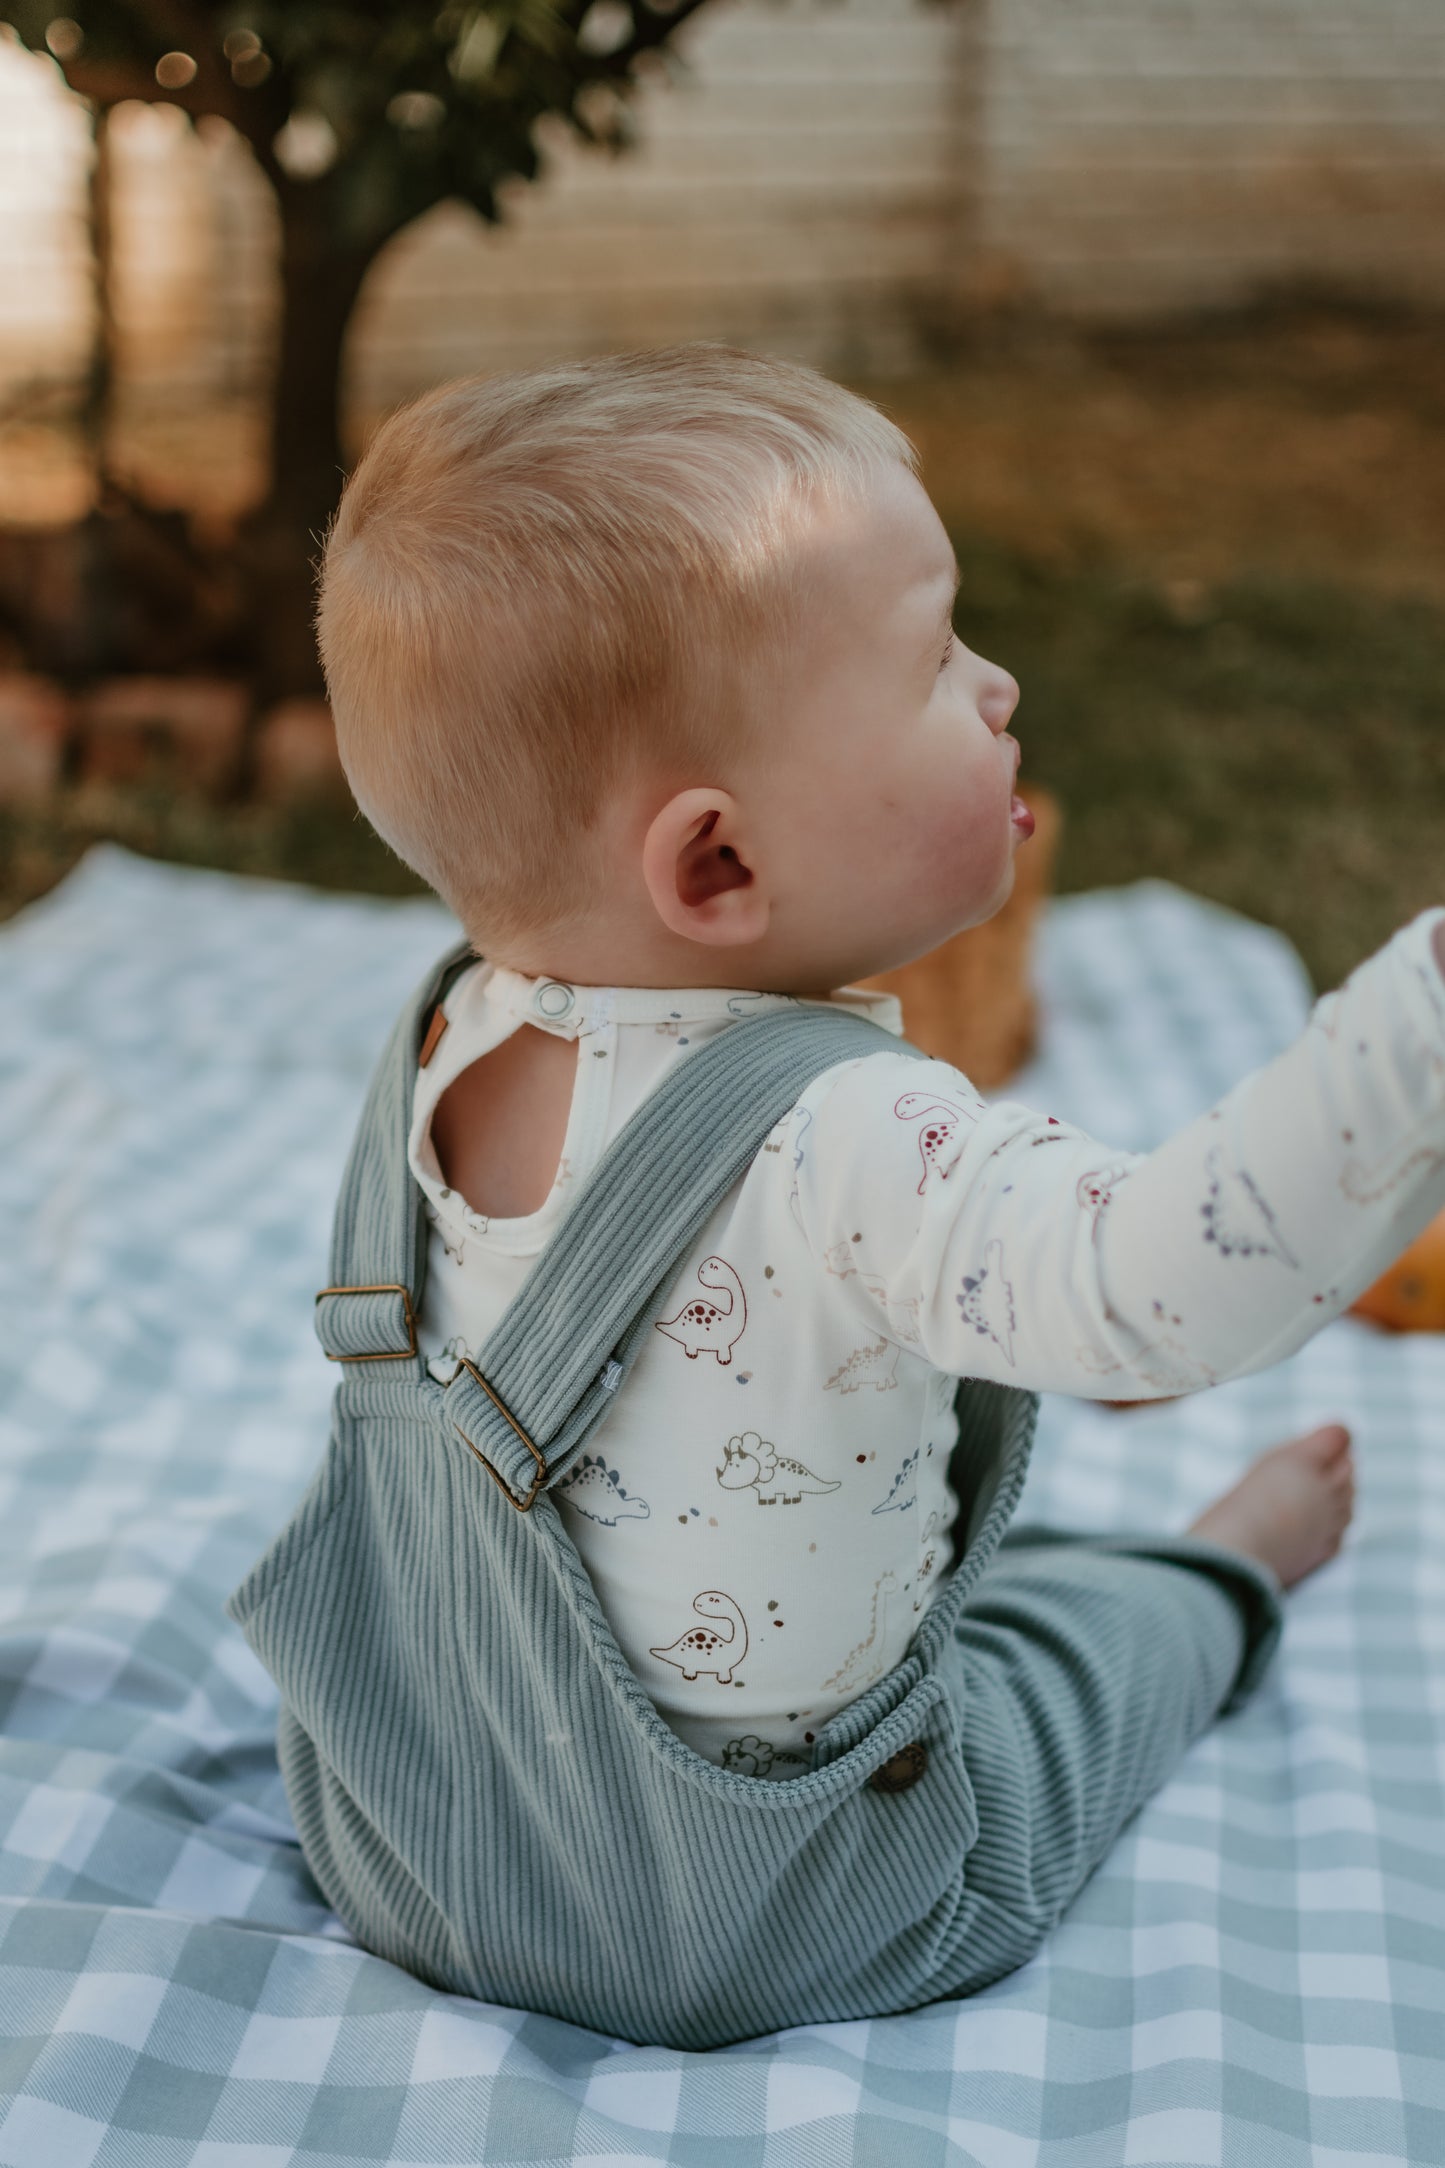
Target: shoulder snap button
(901, 1769)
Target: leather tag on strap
(434, 1030)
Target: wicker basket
(971, 1002)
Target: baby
(646, 664)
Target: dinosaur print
(987, 1301)
(804, 1117)
(751, 1756)
(876, 1360)
(750, 1460)
(454, 1249)
(752, 1004)
(450, 1359)
(1240, 1222)
(1094, 1191)
(596, 1490)
(901, 1313)
(858, 1669)
(940, 1118)
(704, 1326)
(1162, 1362)
(927, 1538)
(903, 1490)
(1365, 1183)
(699, 1649)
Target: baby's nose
(999, 698)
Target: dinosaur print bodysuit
(764, 1511)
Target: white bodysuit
(764, 1512)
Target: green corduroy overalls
(482, 1789)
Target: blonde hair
(543, 584)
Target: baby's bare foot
(1291, 1508)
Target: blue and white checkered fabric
(1256, 1974)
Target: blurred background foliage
(361, 118)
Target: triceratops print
(751, 1756)
(940, 1118)
(1238, 1220)
(596, 1490)
(750, 1461)
(699, 1649)
(987, 1301)
(705, 1327)
(875, 1363)
(903, 1490)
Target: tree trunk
(319, 285)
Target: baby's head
(644, 663)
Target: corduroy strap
(567, 1340)
(366, 1315)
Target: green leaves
(421, 103)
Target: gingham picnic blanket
(1255, 1977)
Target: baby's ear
(695, 870)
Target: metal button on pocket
(901, 1769)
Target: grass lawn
(1215, 561)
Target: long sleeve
(1001, 1242)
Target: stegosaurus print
(1240, 1221)
(903, 1490)
(776, 1477)
(596, 1490)
(987, 1301)
(875, 1363)
(705, 1327)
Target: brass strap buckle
(386, 1355)
(541, 1476)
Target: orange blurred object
(1410, 1297)
(971, 1001)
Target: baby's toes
(1332, 1444)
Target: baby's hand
(1439, 943)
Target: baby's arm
(1002, 1243)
